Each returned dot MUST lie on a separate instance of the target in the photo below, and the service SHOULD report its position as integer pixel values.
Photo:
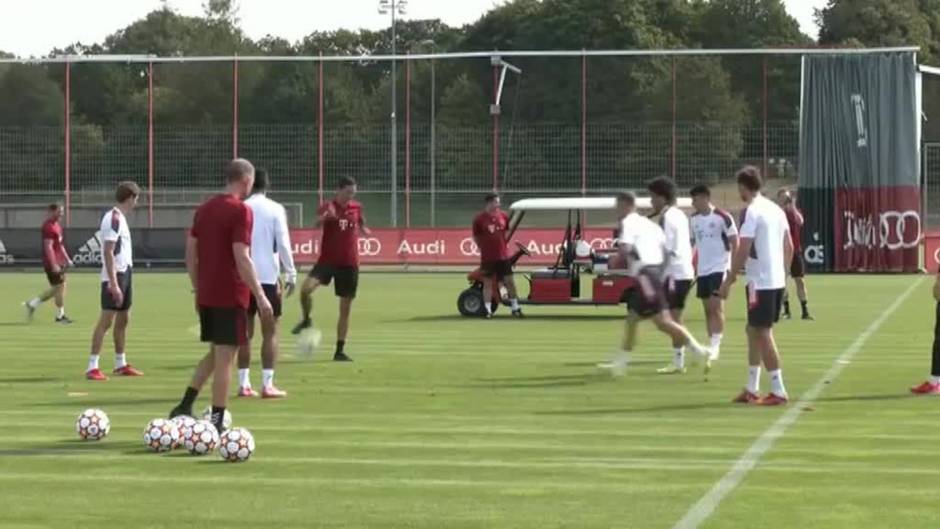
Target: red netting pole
(675, 112)
(150, 144)
(320, 162)
(235, 108)
(68, 144)
(495, 128)
(766, 105)
(583, 125)
(408, 143)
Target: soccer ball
(307, 343)
(161, 435)
(92, 425)
(201, 438)
(236, 445)
(184, 423)
(226, 418)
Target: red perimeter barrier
(442, 246)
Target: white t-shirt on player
(114, 229)
(270, 240)
(678, 244)
(645, 238)
(713, 232)
(766, 224)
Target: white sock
(678, 358)
(776, 383)
(934, 379)
(489, 307)
(753, 379)
(61, 313)
(515, 303)
(92, 362)
(716, 341)
(267, 378)
(119, 360)
(243, 378)
(35, 302)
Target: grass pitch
(444, 422)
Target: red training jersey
(220, 222)
(489, 232)
(795, 220)
(52, 231)
(340, 243)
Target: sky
(35, 27)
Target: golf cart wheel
(470, 302)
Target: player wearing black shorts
(55, 259)
(490, 228)
(786, 201)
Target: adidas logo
(89, 253)
(4, 257)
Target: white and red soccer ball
(201, 438)
(184, 423)
(161, 435)
(92, 425)
(236, 445)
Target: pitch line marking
(706, 505)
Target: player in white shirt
(270, 253)
(679, 273)
(765, 251)
(642, 249)
(716, 238)
(117, 263)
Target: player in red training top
(342, 221)
(218, 260)
(489, 233)
(54, 260)
(798, 267)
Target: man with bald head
(218, 260)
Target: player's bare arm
(788, 251)
(113, 287)
(936, 288)
(737, 264)
(363, 229)
(50, 256)
(192, 264)
(246, 270)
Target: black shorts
(676, 292)
(55, 278)
(798, 266)
(763, 307)
(124, 280)
(347, 278)
(223, 325)
(497, 270)
(646, 298)
(708, 286)
(273, 293)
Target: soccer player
(270, 250)
(716, 238)
(489, 234)
(679, 272)
(55, 259)
(764, 251)
(642, 244)
(223, 278)
(342, 221)
(116, 284)
(798, 267)
(932, 385)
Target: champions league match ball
(92, 425)
(226, 418)
(161, 435)
(201, 438)
(184, 423)
(308, 342)
(236, 445)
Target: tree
(877, 23)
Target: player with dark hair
(223, 278)
(116, 284)
(642, 250)
(716, 238)
(786, 201)
(489, 233)
(680, 272)
(342, 221)
(764, 251)
(55, 259)
(270, 253)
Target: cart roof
(583, 203)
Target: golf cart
(560, 283)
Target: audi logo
(468, 247)
(370, 247)
(895, 232)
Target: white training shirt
(646, 240)
(114, 229)
(270, 240)
(713, 232)
(766, 224)
(678, 244)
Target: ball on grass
(92, 425)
